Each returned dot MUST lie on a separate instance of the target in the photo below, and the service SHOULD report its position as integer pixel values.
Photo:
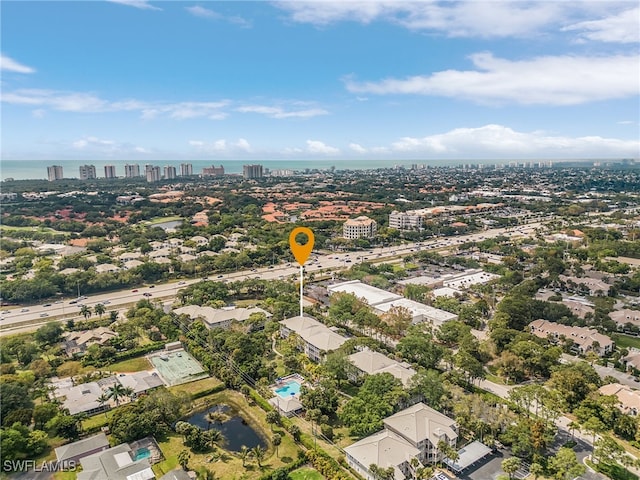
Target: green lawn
(625, 341)
(132, 365)
(306, 474)
(156, 220)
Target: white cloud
(207, 13)
(141, 4)
(279, 113)
(561, 80)
(199, 11)
(454, 19)
(357, 148)
(222, 146)
(92, 145)
(39, 113)
(619, 28)
(8, 64)
(89, 103)
(316, 146)
(497, 140)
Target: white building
(361, 227)
(54, 173)
(219, 317)
(368, 362)
(411, 433)
(405, 220)
(87, 172)
(317, 338)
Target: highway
(34, 315)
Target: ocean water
(37, 169)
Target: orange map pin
(301, 252)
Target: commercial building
(54, 173)
(213, 171)
(169, 172)
(405, 221)
(252, 171)
(186, 169)
(109, 171)
(131, 171)
(361, 227)
(87, 172)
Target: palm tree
(244, 454)
(258, 453)
(99, 309)
(85, 311)
(276, 440)
(102, 400)
(183, 459)
(572, 427)
(117, 392)
(214, 436)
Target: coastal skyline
(395, 81)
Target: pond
(170, 225)
(234, 429)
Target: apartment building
(316, 338)
(186, 169)
(109, 171)
(584, 339)
(54, 172)
(131, 171)
(87, 172)
(252, 171)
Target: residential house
(628, 398)
(76, 343)
(369, 362)
(579, 308)
(107, 268)
(72, 452)
(116, 463)
(317, 338)
(584, 339)
(624, 316)
(411, 433)
(592, 286)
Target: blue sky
(160, 80)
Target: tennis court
(177, 367)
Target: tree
(64, 425)
(510, 465)
(428, 385)
(565, 465)
(244, 454)
(276, 440)
(48, 334)
(295, 432)
(594, 426)
(43, 413)
(117, 391)
(14, 395)
(183, 459)
(536, 470)
(99, 309)
(273, 418)
(85, 311)
(258, 454)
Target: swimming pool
(291, 388)
(141, 453)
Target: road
(34, 315)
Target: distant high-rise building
(169, 172)
(131, 171)
(186, 169)
(109, 171)
(87, 172)
(54, 172)
(252, 171)
(152, 173)
(213, 171)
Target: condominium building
(169, 172)
(109, 171)
(361, 227)
(582, 339)
(405, 220)
(54, 173)
(131, 171)
(152, 173)
(186, 169)
(252, 171)
(213, 171)
(87, 172)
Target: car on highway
(182, 283)
(24, 310)
(46, 305)
(152, 286)
(106, 302)
(220, 276)
(73, 302)
(146, 294)
(134, 291)
(44, 314)
(5, 312)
